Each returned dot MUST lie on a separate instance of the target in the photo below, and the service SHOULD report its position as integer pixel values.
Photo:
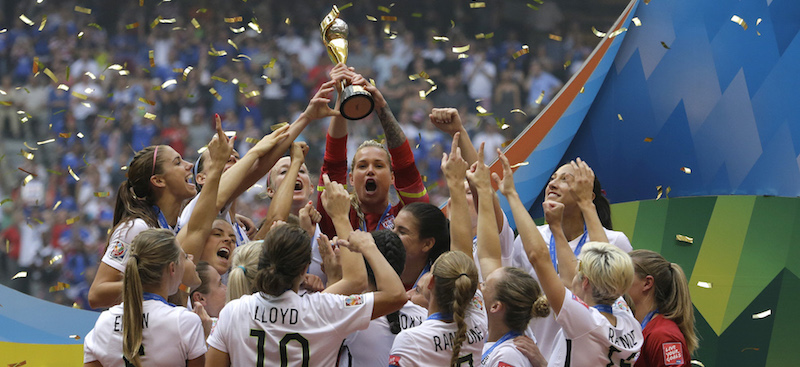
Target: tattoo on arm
(394, 134)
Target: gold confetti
(58, 203)
(388, 18)
(480, 109)
(214, 52)
(50, 75)
(95, 25)
(76, 337)
(55, 258)
(738, 20)
(619, 116)
(25, 20)
(534, 7)
(702, 284)
(60, 286)
(252, 94)
(484, 36)
(115, 67)
(476, 5)
(169, 83)
(79, 135)
(416, 15)
(143, 100)
(271, 63)
(686, 170)
(149, 116)
(234, 19)
(25, 143)
(762, 315)
(6, 200)
(665, 45)
(21, 274)
(80, 34)
(76, 306)
(540, 98)
(72, 173)
(132, 26)
(758, 21)
(582, 89)
(73, 220)
(422, 95)
(567, 64)
(517, 110)
(187, 71)
(598, 33)
(682, 238)
(233, 44)
(617, 32)
(660, 192)
(26, 155)
(254, 26)
(201, 10)
(287, 21)
(555, 37)
(107, 118)
(79, 95)
(520, 164)
(523, 51)
(64, 135)
(636, 21)
(167, 21)
(441, 39)
(278, 126)
(90, 75)
(501, 123)
(648, 139)
(384, 9)
(4, 30)
(237, 30)
(252, 140)
(83, 10)
(345, 6)
(44, 21)
(460, 49)
(151, 56)
(219, 79)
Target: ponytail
(151, 251)
(456, 280)
(132, 310)
(602, 205)
(285, 255)
(670, 291)
(244, 266)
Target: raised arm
(336, 201)
(394, 133)
(449, 121)
(582, 189)
(567, 262)
(489, 254)
(455, 172)
(234, 185)
(535, 247)
(193, 236)
(390, 295)
(281, 203)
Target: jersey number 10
(262, 337)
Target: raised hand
(318, 106)
(453, 165)
(268, 142)
(358, 241)
(553, 212)
(331, 264)
(446, 120)
(312, 283)
(478, 173)
(298, 151)
(220, 147)
(377, 96)
(309, 217)
(582, 187)
(335, 198)
(506, 183)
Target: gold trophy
(357, 102)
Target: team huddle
(357, 280)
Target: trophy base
(357, 103)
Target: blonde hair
(670, 290)
(244, 267)
(522, 296)
(609, 270)
(456, 280)
(151, 251)
(354, 200)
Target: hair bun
(541, 307)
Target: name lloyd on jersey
(444, 342)
(118, 321)
(276, 314)
(627, 340)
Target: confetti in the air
(647, 140)
(702, 284)
(555, 37)
(664, 45)
(60, 286)
(762, 315)
(540, 98)
(523, 51)
(460, 49)
(76, 337)
(520, 164)
(738, 20)
(441, 39)
(21, 274)
(83, 10)
(598, 33)
(150, 116)
(475, 5)
(682, 238)
(619, 116)
(517, 110)
(25, 20)
(72, 173)
(636, 21)
(686, 170)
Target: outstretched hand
(478, 173)
(453, 165)
(335, 198)
(318, 106)
(506, 183)
(268, 142)
(358, 241)
(220, 147)
(582, 186)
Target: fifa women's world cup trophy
(357, 102)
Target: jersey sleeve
(192, 336)
(222, 330)
(120, 243)
(346, 314)
(334, 164)
(407, 179)
(576, 316)
(506, 243)
(404, 351)
(88, 348)
(620, 240)
(507, 356)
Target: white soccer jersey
(506, 247)
(371, 347)
(431, 344)
(504, 355)
(289, 330)
(316, 259)
(587, 338)
(186, 214)
(120, 243)
(545, 328)
(171, 336)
